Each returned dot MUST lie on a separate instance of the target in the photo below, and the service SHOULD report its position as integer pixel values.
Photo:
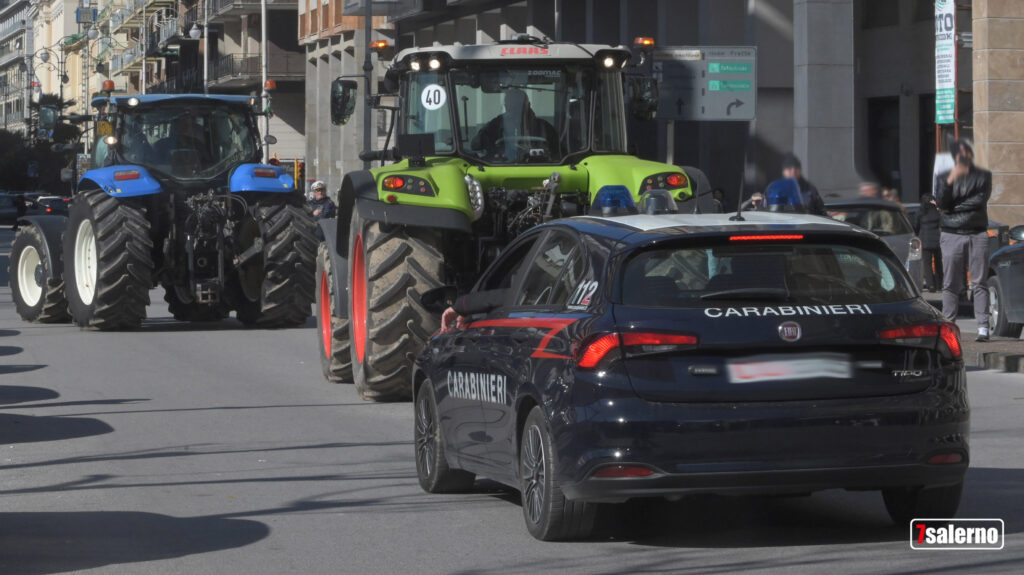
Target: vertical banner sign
(945, 61)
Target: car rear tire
(432, 468)
(549, 515)
(276, 288)
(906, 503)
(1001, 325)
(389, 268)
(38, 297)
(333, 333)
(108, 262)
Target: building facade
(15, 42)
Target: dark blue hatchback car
(604, 359)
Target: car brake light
(594, 352)
(946, 458)
(48, 210)
(623, 471)
(922, 335)
(761, 238)
(633, 344)
(264, 173)
(122, 175)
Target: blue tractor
(176, 196)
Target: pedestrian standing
(963, 203)
(20, 207)
(322, 206)
(813, 204)
(926, 225)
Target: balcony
(221, 8)
(12, 56)
(239, 70)
(131, 15)
(128, 61)
(188, 83)
(169, 32)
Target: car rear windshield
(801, 273)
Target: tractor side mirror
(643, 98)
(48, 116)
(270, 139)
(438, 299)
(343, 100)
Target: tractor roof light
(133, 102)
(435, 63)
(609, 62)
(414, 65)
(643, 42)
(378, 45)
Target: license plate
(774, 368)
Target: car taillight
(121, 175)
(925, 336)
(676, 180)
(264, 173)
(765, 237)
(394, 182)
(915, 249)
(633, 344)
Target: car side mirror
(438, 299)
(1017, 233)
(643, 101)
(343, 100)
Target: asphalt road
(180, 448)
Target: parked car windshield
(186, 141)
(880, 220)
(797, 273)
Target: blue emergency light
(613, 201)
(784, 196)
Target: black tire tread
(124, 261)
(289, 266)
(54, 307)
(401, 264)
(904, 504)
(337, 364)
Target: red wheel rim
(359, 299)
(325, 313)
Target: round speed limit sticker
(433, 97)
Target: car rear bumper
(767, 447)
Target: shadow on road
(37, 543)
(170, 325)
(16, 428)
(23, 394)
(10, 350)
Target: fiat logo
(790, 331)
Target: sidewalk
(999, 353)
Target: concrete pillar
(488, 26)
(823, 95)
(999, 103)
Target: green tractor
(491, 140)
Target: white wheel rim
(85, 262)
(993, 299)
(28, 286)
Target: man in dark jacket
(322, 206)
(963, 202)
(516, 131)
(813, 203)
(926, 225)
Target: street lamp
(195, 33)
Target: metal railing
(246, 66)
(169, 29)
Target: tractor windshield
(522, 115)
(187, 141)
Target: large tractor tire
(275, 288)
(184, 308)
(389, 268)
(333, 333)
(38, 296)
(108, 262)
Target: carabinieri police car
(603, 359)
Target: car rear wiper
(774, 294)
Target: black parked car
(1006, 286)
(639, 356)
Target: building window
(879, 14)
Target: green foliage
(14, 155)
(17, 152)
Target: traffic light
(300, 175)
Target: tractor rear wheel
(333, 333)
(389, 268)
(108, 262)
(37, 296)
(275, 288)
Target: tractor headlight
(476, 196)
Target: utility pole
(368, 73)
(265, 99)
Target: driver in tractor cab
(516, 129)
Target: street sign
(945, 61)
(707, 83)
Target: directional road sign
(706, 83)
